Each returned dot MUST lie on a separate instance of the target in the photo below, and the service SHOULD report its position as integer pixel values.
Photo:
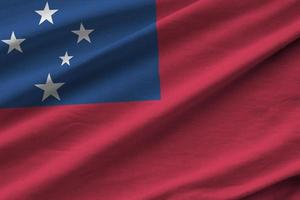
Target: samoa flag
(149, 99)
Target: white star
(50, 88)
(66, 59)
(46, 14)
(14, 43)
(83, 34)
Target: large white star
(46, 14)
(83, 34)
(50, 88)
(14, 43)
(66, 59)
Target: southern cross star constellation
(50, 88)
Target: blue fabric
(121, 63)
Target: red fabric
(227, 126)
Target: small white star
(83, 34)
(50, 88)
(14, 43)
(46, 14)
(66, 59)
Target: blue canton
(77, 52)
